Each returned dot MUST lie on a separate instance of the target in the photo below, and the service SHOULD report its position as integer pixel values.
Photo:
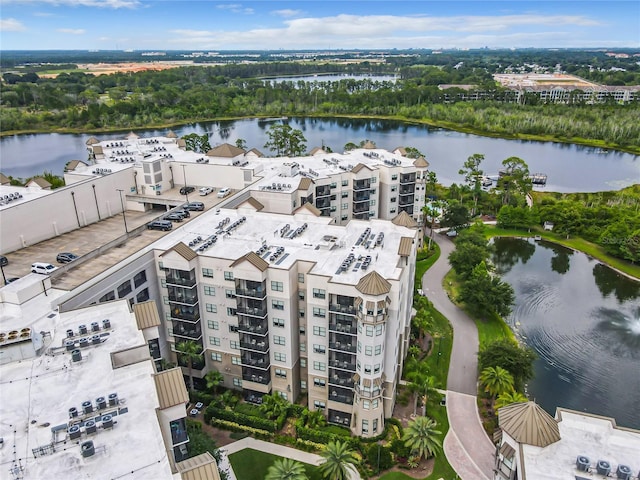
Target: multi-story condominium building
(294, 304)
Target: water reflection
(609, 281)
(624, 327)
(561, 262)
(509, 251)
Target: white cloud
(72, 31)
(11, 25)
(81, 3)
(235, 8)
(43, 14)
(287, 12)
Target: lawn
(424, 265)
(438, 361)
(249, 464)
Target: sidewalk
(279, 450)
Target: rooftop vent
(90, 426)
(107, 421)
(623, 472)
(87, 449)
(582, 463)
(87, 407)
(76, 355)
(113, 399)
(74, 432)
(603, 468)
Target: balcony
(251, 293)
(406, 200)
(255, 345)
(407, 178)
(264, 378)
(339, 308)
(340, 380)
(361, 185)
(323, 202)
(408, 209)
(361, 216)
(343, 328)
(339, 418)
(343, 365)
(255, 327)
(361, 208)
(190, 314)
(361, 197)
(180, 332)
(256, 361)
(340, 398)
(183, 299)
(176, 278)
(178, 432)
(251, 311)
(323, 191)
(196, 364)
(343, 347)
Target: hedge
(240, 418)
(318, 436)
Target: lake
(583, 320)
(570, 168)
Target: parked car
(4, 261)
(205, 191)
(223, 192)
(174, 217)
(452, 233)
(66, 257)
(186, 189)
(42, 268)
(160, 225)
(181, 211)
(11, 280)
(197, 206)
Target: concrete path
(280, 450)
(467, 447)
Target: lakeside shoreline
(428, 122)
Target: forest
(81, 102)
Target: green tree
(496, 381)
(197, 143)
(286, 469)
(507, 398)
(473, 176)
(338, 460)
(485, 294)
(514, 179)
(350, 146)
(422, 438)
(285, 141)
(313, 418)
(505, 353)
(422, 385)
(214, 379)
(191, 352)
(412, 152)
(241, 143)
(379, 457)
(273, 406)
(455, 215)
(466, 257)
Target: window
(303, 363)
(333, 185)
(237, 382)
(283, 395)
(216, 357)
(236, 361)
(365, 426)
(278, 322)
(211, 308)
(378, 330)
(232, 312)
(303, 384)
(318, 293)
(372, 203)
(374, 179)
(280, 357)
(320, 331)
(280, 373)
(375, 425)
(376, 368)
(303, 330)
(369, 330)
(303, 347)
(366, 404)
(359, 326)
(140, 278)
(228, 276)
(319, 312)
(345, 217)
(319, 405)
(213, 324)
(345, 183)
(319, 382)
(359, 365)
(394, 188)
(301, 278)
(368, 350)
(319, 348)
(233, 328)
(394, 199)
(301, 295)
(394, 176)
(374, 403)
(393, 210)
(163, 282)
(344, 195)
(277, 286)
(378, 349)
(301, 313)
(207, 272)
(143, 295)
(367, 369)
(359, 346)
(209, 290)
(214, 341)
(319, 366)
(234, 344)
(277, 304)
(124, 289)
(278, 340)
(230, 293)
(345, 206)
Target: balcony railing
(323, 192)
(183, 299)
(182, 281)
(343, 328)
(255, 345)
(252, 311)
(361, 197)
(323, 202)
(342, 347)
(262, 379)
(405, 179)
(361, 216)
(336, 397)
(251, 293)
(181, 314)
(259, 363)
(343, 365)
(361, 208)
(408, 200)
(190, 334)
(357, 186)
(253, 328)
(346, 382)
(344, 420)
(348, 309)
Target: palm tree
(422, 437)
(190, 351)
(496, 380)
(313, 418)
(507, 398)
(422, 321)
(273, 405)
(286, 469)
(422, 385)
(338, 458)
(214, 378)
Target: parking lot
(93, 236)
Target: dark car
(174, 217)
(186, 190)
(160, 225)
(66, 257)
(184, 213)
(4, 261)
(11, 280)
(191, 206)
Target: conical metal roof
(403, 219)
(373, 284)
(528, 423)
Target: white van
(223, 192)
(42, 268)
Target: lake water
(569, 168)
(583, 320)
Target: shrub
(379, 457)
(212, 412)
(399, 448)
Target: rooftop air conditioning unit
(582, 463)
(623, 472)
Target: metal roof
(254, 259)
(171, 388)
(528, 423)
(146, 314)
(200, 467)
(403, 219)
(373, 284)
(225, 150)
(182, 250)
(405, 246)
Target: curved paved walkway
(467, 447)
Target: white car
(43, 268)
(223, 192)
(205, 191)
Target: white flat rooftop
(37, 393)
(583, 435)
(321, 242)
(10, 195)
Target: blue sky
(309, 24)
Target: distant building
(548, 226)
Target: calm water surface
(569, 167)
(583, 321)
